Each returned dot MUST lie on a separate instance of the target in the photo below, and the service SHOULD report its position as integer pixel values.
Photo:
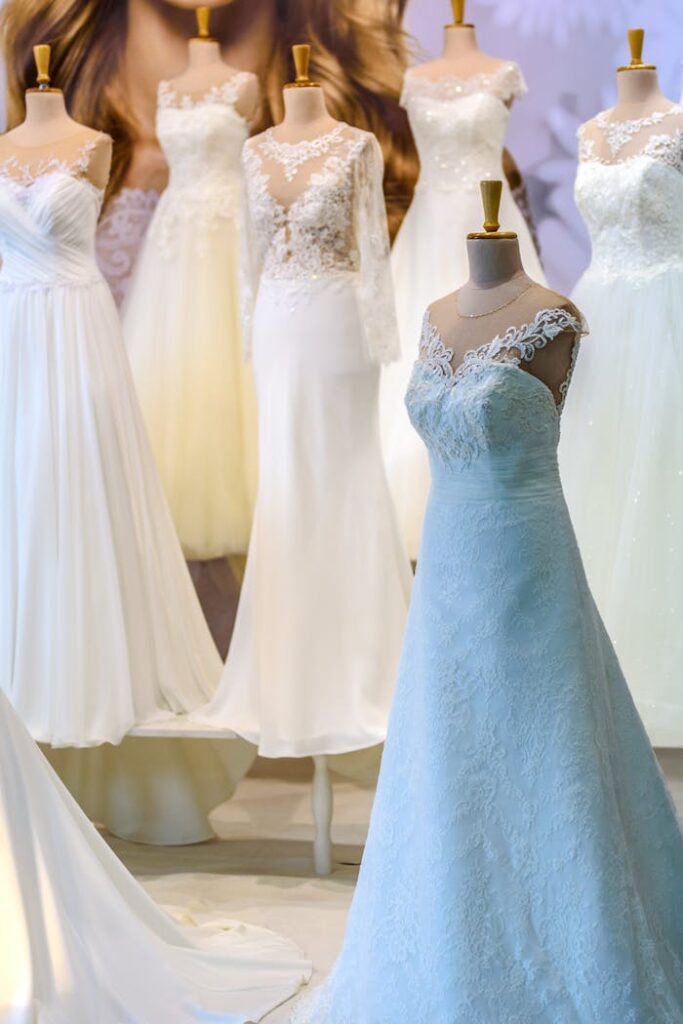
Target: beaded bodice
(632, 199)
(48, 216)
(459, 124)
(491, 427)
(335, 225)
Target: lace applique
(336, 225)
(506, 82)
(291, 155)
(119, 235)
(26, 174)
(227, 94)
(619, 133)
(518, 345)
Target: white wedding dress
(320, 621)
(181, 322)
(621, 454)
(82, 943)
(459, 126)
(100, 628)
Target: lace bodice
(48, 217)
(459, 124)
(336, 225)
(633, 204)
(489, 413)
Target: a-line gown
(81, 942)
(524, 864)
(459, 126)
(621, 455)
(181, 321)
(314, 652)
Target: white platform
(180, 728)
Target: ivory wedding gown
(524, 863)
(459, 126)
(621, 455)
(318, 632)
(100, 628)
(81, 942)
(182, 325)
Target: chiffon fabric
(100, 628)
(181, 323)
(82, 942)
(459, 126)
(621, 454)
(524, 862)
(316, 642)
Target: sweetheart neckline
(29, 184)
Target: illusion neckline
(316, 141)
(171, 98)
(464, 80)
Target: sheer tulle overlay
(621, 454)
(323, 605)
(100, 628)
(81, 941)
(523, 862)
(182, 326)
(459, 127)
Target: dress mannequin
(461, 55)
(638, 96)
(207, 69)
(48, 131)
(498, 293)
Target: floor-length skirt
(325, 595)
(429, 260)
(621, 458)
(81, 942)
(100, 628)
(182, 330)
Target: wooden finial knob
(491, 194)
(302, 58)
(203, 15)
(458, 11)
(635, 42)
(41, 54)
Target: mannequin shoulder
(98, 149)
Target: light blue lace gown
(524, 864)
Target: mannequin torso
(460, 57)
(49, 132)
(498, 295)
(206, 70)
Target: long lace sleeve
(250, 260)
(376, 289)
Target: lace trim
(667, 149)
(225, 94)
(526, 340)
(619, 133)
(291, 155)
(506, 82)
(26, 174)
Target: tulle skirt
(100, 628)
(429, 259)
(320, 621)
(80, 940)
(182, 331)
(621, 458)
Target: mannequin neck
(459, 41)
(639, 89)
(45, 107)
(305, 108)
(493, 262)
(203, 53)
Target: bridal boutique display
(622, 451)
(321, 615)
(459, 126)
(100, 628)
(182, 326)
(523, 861)
(82, 942)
